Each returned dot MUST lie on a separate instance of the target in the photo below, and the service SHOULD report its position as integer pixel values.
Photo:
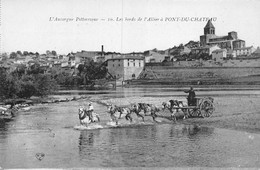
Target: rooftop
(219, 50)
(219, 37)
(209, 24)
(244, 48)
(238, 40)
(204, 47)
(127, 57)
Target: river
(47, 129)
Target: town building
(125, 67)
(86, 55)
(89, 55)
(256, 53)
(229, 41)
(244, 52)
(154, 56)
(219, 55)
(205, 49)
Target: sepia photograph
(129, 84)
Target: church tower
(209, 28)
(209, 32)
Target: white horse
(184, 110)
(173, 106)
(86, 116)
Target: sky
(40, 25)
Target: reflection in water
(184, 130)
(2, 125)
(143, 145)
(86, 138)
(86, 143)
(3, 128)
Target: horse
(127, 111)
(137, 108)
(153, 109)
(182, 104)
(170, 105)
(173, 106)
(113, 109)
(87, 116)
(144, 107)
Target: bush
(44, 85)
(13, 85)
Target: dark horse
(113, 109)
(137, 108)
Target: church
(229, 42)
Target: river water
(48, 129)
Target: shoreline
(198, 87)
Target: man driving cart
(191, 97)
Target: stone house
(155, 57)
(219, 55)
(206, 49)
(125, 67)
(245, 51)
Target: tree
(13, 55)
(20, 70)
(44, 85)
(9, 85)
(48, 52)
(90, 71)
(25, 53)
(3, 83)
(54, 53)
(13, 85)
(36, 69)
(81, 68)
(27, 87)
(4, 56)
(19, 53)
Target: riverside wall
(234, 72)
(204, 72)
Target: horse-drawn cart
(203, 107)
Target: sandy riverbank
(231, 112)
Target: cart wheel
(206, 108)
(194, 112)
